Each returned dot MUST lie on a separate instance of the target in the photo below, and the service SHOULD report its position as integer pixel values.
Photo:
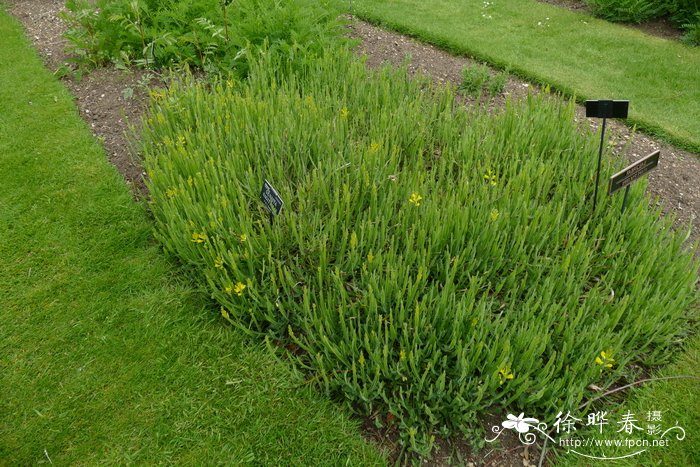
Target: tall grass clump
(430, 262)
(213, 35)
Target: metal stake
(600, 157)
(624, 200)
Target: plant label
(271, 199)
(633, 172)
(607, 109)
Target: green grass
(677, 399)
(107, 355)
(577, 54)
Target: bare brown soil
(109, 100)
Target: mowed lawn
(107, 353)
(575, 53)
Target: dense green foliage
(635, 11)
(683, 13)
(430, 262)
(207, 34)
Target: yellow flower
(504, 374)
(402, 355)
(490, 177)
(494, 215)
(370, 257)
(415, 199)
(199, 237)
(171, 192)
(219, 263)
(309, 100)
(238, 288)
(228, 289)
(605, 359)
(374, 147)
(242, 237)
(344, 112)
(157, 94)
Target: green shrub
(685, 14)
(692, 31)
(207, 34)
(497, 83)
(474, 78)
(430, 262)
(628, 11)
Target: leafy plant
(628, 11)
(206, 34)
(430, 262)
(497, 83)
(474, 78)
(692, 31)
(477, 78)
(685, 14)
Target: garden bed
(386, 46)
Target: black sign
(607, 109)
(633, 172)
(271, 199)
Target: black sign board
(633, 172)
(607, 109)
(271, 199)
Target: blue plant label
(271, 199)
